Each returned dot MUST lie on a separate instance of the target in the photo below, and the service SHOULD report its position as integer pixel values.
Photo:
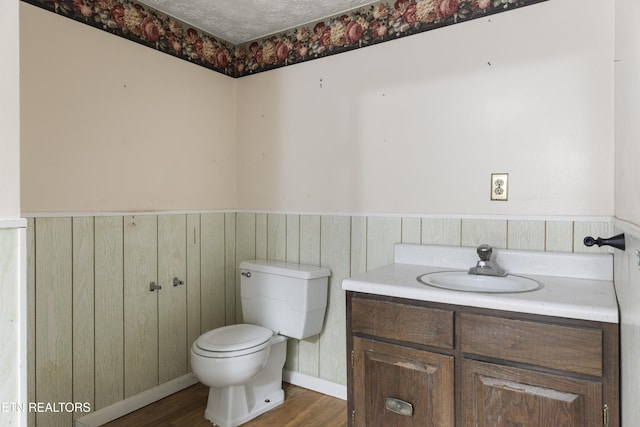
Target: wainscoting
(13, 320)
(97, 333)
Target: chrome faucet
(485, 266)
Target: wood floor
(301, 407)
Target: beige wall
(419, 124)
(110, 125)
(9, 111)
(415, 125)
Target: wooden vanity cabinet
(415, 363)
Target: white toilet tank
(288, 298)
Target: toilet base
(235, 405)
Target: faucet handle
(484, 252)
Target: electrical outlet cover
(500, 186)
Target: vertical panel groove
(93, 310)
(224, 262)
(35, 314)
(123, 315)
(157, 355)
(72, 311)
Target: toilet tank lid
(300, 271)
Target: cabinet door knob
(398, 406)
(177, 282)
(153, 286)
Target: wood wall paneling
(490, 231)
(358, 244)
(442, 231)
(277, 237)
(245, 237)
(230, 267)
(292, 253)
(310, 239)
(212, 291)
(193, 281)
(411, 230)
(172, 299)
(245, 250)
(97, 334)
(140, 305)
(83, 311)
(382, 234)
(526, 235)
(262, 236)
(335, 250)
(54, 318)
(559, 236)
(293, 238)
(109, 310)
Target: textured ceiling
(239, 21)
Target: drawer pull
(398, 406)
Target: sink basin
(463, 281)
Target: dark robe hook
(615, 241)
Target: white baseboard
(315, 384)
(133, 403)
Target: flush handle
(398, 406)
(153, 286)
(177, 282)
(246, 273)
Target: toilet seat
(233, 341)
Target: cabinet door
(140, 305)
(397, 386)
(495, 396)
(172, 299)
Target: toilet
(242, 364)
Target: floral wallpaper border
(361, 27)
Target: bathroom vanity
(424, 356)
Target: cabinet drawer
(403, 322)
(567, 348)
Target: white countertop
(586, 298)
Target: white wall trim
(576, 218)
(133, 403)
(316, 384)
(352, 214)
(627, 227)
(13, 223)
(23, 311)
(121, 213)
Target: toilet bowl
(242, 364)
(231, 355)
